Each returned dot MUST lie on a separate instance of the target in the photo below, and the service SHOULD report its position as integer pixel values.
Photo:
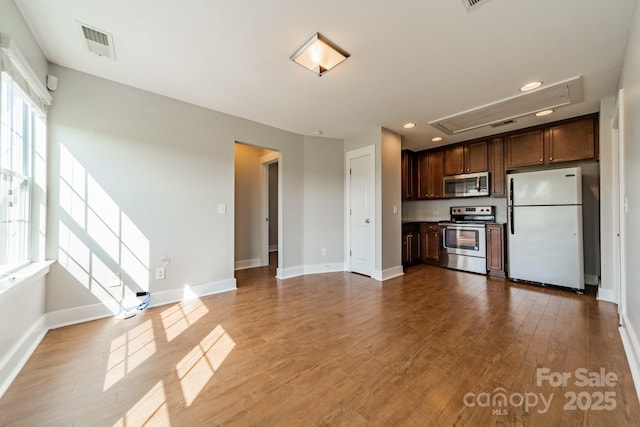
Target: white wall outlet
(435, 213)
(325, 252)
(160, 273)
(222, 208)
(395, 209)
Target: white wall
(608, 204)
(391, 204)
(630, 84)
(12, 23)
(166, 166)
(323, 204)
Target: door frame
(620, 193)
(265, 161)
(349, 155)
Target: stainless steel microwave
(467, 185)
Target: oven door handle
(443, 232)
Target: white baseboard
(301, 270)
(389, 273)
(75, 315)
(324, 268)
(608, 295)
(248, 263)
(630, 341)
(287, 273)
(21, 352)
(190, 292)
(87, 313)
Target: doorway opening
(257, 212)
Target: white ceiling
(411, 60)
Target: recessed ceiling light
(544, 113)
(436, 139)
(409, 125)
(317, 132)
(530, 86)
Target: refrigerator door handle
(511, 191)
(511, 224)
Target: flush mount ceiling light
(530, 86)
(409, 125)
(544, 113)
(436, 139)
(319, 55)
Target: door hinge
(349, 171)
(350, 253)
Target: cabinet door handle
(550, 158)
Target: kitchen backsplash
(437, 210)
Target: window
(21, 128)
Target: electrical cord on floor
(145, 303)
(130, 312)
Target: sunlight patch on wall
(72, 186)
(150, 410)
(128, 351)
(73, 255)
(197, 368)
(179, 317)
(99, 244)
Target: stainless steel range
(464, 239)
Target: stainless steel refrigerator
(544, 236)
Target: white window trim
(13, 62)
(16, 65)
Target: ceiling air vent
(473, 4)
(553, 96)
(98, 41)
(506, 122)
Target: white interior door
(361, 207)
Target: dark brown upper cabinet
(408, 175)
(571, 141)
(497, 167)
(466, 158)
(430, 174)
(567, 141)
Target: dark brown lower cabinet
(410, 243)
(496, 250)
(429, 242)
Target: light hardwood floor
(335, 349)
